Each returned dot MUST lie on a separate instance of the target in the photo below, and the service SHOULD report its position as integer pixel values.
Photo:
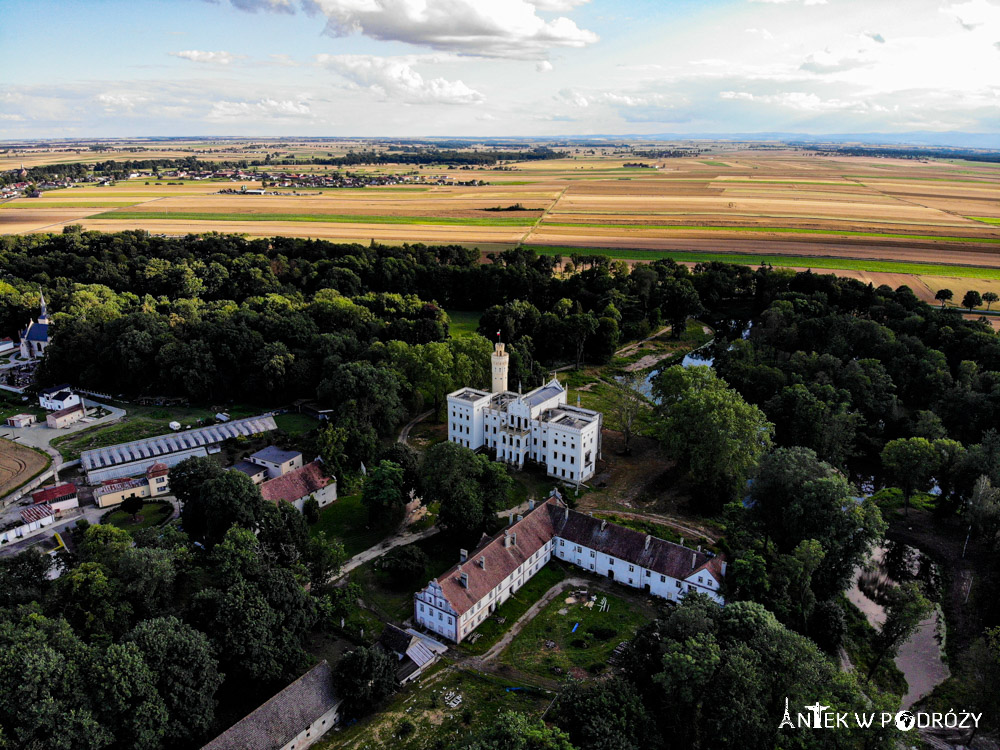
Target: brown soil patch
(17, 465)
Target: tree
(92, 602)
(331, 442)
(405, 565)
(310, 511)
(627, 405)
(186, 674)
(910, 463)
(128, 699)
(943, 295)
(906, 607)
(407, 459)
(383, 493)
(578, 328)
(516, 731)
(972, 299)
(148, 578)
(708, 427)
(606, 714)
(187, 477)
(680, 301)
(365, 677)
(984, 511)
(989, 298)
(132, 506)
(229, 499)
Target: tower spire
(43, 313)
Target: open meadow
(855, 216)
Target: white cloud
(875, 37)
(252, 6)
(763, 32)
(825, 63)
(493, 28)
(576, 98)
(203, 56)
(783, 2)
(543, 66)
(120, 102)
(974, 14)
(395, 78)
(261, 108)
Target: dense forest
(835, 388)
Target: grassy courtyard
(463, 324)
(346, 520)
(548, 645)
(151, 514)
(420, 715)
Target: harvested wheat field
(17, 465)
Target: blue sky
(117, 68)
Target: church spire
(43, 314)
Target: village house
(538, 426)
(65, 417)
(455, 603)
(116, 491)
(21, 420)
(276, 461)
(256, 472)
(58, 397)
(293, 719)
(299, 485)
(413, 653)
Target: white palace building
(537, 426)
(455, 603)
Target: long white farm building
(132, 459)
(455, 603)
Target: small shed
(21, 420)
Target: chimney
(510, 519)
(482, 562)
(699, 548)
(463, 555)
(531, 504)
(694, 559)
(604, 525)
(682, 541)
(465, 580)
(506, 539)
(566, 513)
(723, 568)
(513, 539)
(520, 517)
(648, 540)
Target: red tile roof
(52, 494)
(295, 484)
(552, 519)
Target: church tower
(501, 362)
(43, 313)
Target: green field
(463, 324)
(296, 424)
(597, 634)
(798, 261)
(499, 221)
(778, 230)
(346, 520)
(716, 163)
(985, 219)
(152, 513)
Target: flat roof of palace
(173, 442)
(470, 394)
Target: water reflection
(919, 659)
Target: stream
(920, 658)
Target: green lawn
(463, 324)
(492, 630)
(346, 520)
(985, 219)
(925, 269)
(152, 514)
(418, 717)
(597, 634)
(296, 424)
(393, 599)
(490, 221)
(11, 404)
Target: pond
(920, 658)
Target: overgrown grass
(890, 499)
(776, 230)
(153, 513)
(597, 634)
(491, 221)
(346, 520)
(859, 645)
(491, 629)
(799, 261)
(462, 323)
(295, 424)
(71, 446)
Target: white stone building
(454, 604)
(36, 337)
(538, 426)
